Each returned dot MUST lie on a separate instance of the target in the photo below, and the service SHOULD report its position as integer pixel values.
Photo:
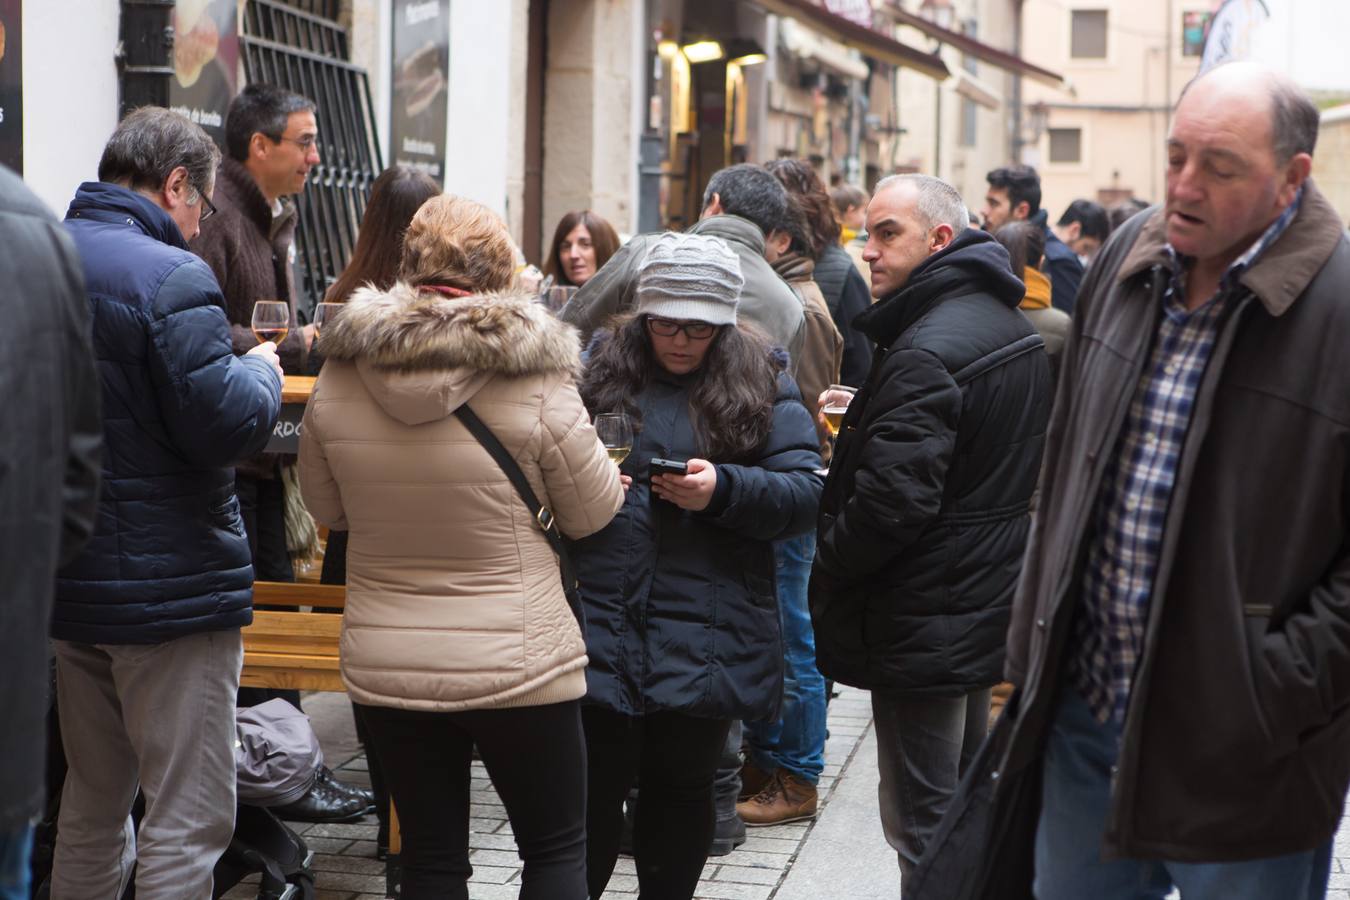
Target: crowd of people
(1092, 476)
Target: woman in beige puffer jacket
(456, 629)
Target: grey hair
(153, 141)
(939, 202)
(1294, 121)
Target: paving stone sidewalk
(346, 868)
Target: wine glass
(616, 433)
(271, 320)
(324, 315)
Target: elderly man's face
(1224, 185)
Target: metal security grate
(307, 53)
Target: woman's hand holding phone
(693, 491)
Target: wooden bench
(299, 650)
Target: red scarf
(445, 289)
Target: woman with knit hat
(457, 630)
(682, 623)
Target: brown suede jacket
(1236, 744)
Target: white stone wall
(69, 95)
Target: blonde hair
(458, 243)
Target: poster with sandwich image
(421, 63)
(11, 85)
(205, 62)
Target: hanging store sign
(11, 84)
(205, 62)
(421, 66)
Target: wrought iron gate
(307, 53)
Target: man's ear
(258, 145)
(714, 207)
(176, 189)
(1021, 211)
(940, 238)
(1072, 232)
(1296, 172)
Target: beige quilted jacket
(454, 599)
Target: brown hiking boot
(786, 798)
(753, 780)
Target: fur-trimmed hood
(422, 355)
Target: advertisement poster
(205, 62)
(11, 85)
(421, 65)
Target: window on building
(1193, 25)
(1088, 40)
(1066, 145)
(969, 111)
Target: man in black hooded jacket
(925, 511)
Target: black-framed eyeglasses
(695, 331)
(208, 208)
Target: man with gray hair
(1181, 634)
(925, 510)
(147, 618)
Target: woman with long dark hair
(682, 618)
(457, 630)
(394, 197)
(582, 243)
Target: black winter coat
(49, 463)
(681, 607)
(925, 513)
(168, 557)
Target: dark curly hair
(805, 186)
(730, 400)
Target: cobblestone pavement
(346, 868)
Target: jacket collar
(1039, 289)
(732, 229)
(410, 330)
(1281, 273)
(794, 267)
(112, 203)
(242, 192)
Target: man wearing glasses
(270, 147)
(147, 618)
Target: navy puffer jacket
(925, 514)
(168, 557)
(681, 607)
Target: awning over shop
(865, 40)
(805, 43)
(972, 88)
(978, 49)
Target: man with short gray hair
(925, 509)
(147, 618)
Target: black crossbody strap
(542, 516)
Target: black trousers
(674, 757)
(262, 505)
(536, 757)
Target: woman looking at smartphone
(682, 619)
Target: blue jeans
(1075, 799)
(796, 742)
(15, 847)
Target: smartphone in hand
(659, 466)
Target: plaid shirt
(1131, 509)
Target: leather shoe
(326, 775)
(326, 802)
(786, 798)
(753, 780)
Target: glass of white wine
(324, 315)
(271, 320)
(616, 433)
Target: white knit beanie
(690, 276)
